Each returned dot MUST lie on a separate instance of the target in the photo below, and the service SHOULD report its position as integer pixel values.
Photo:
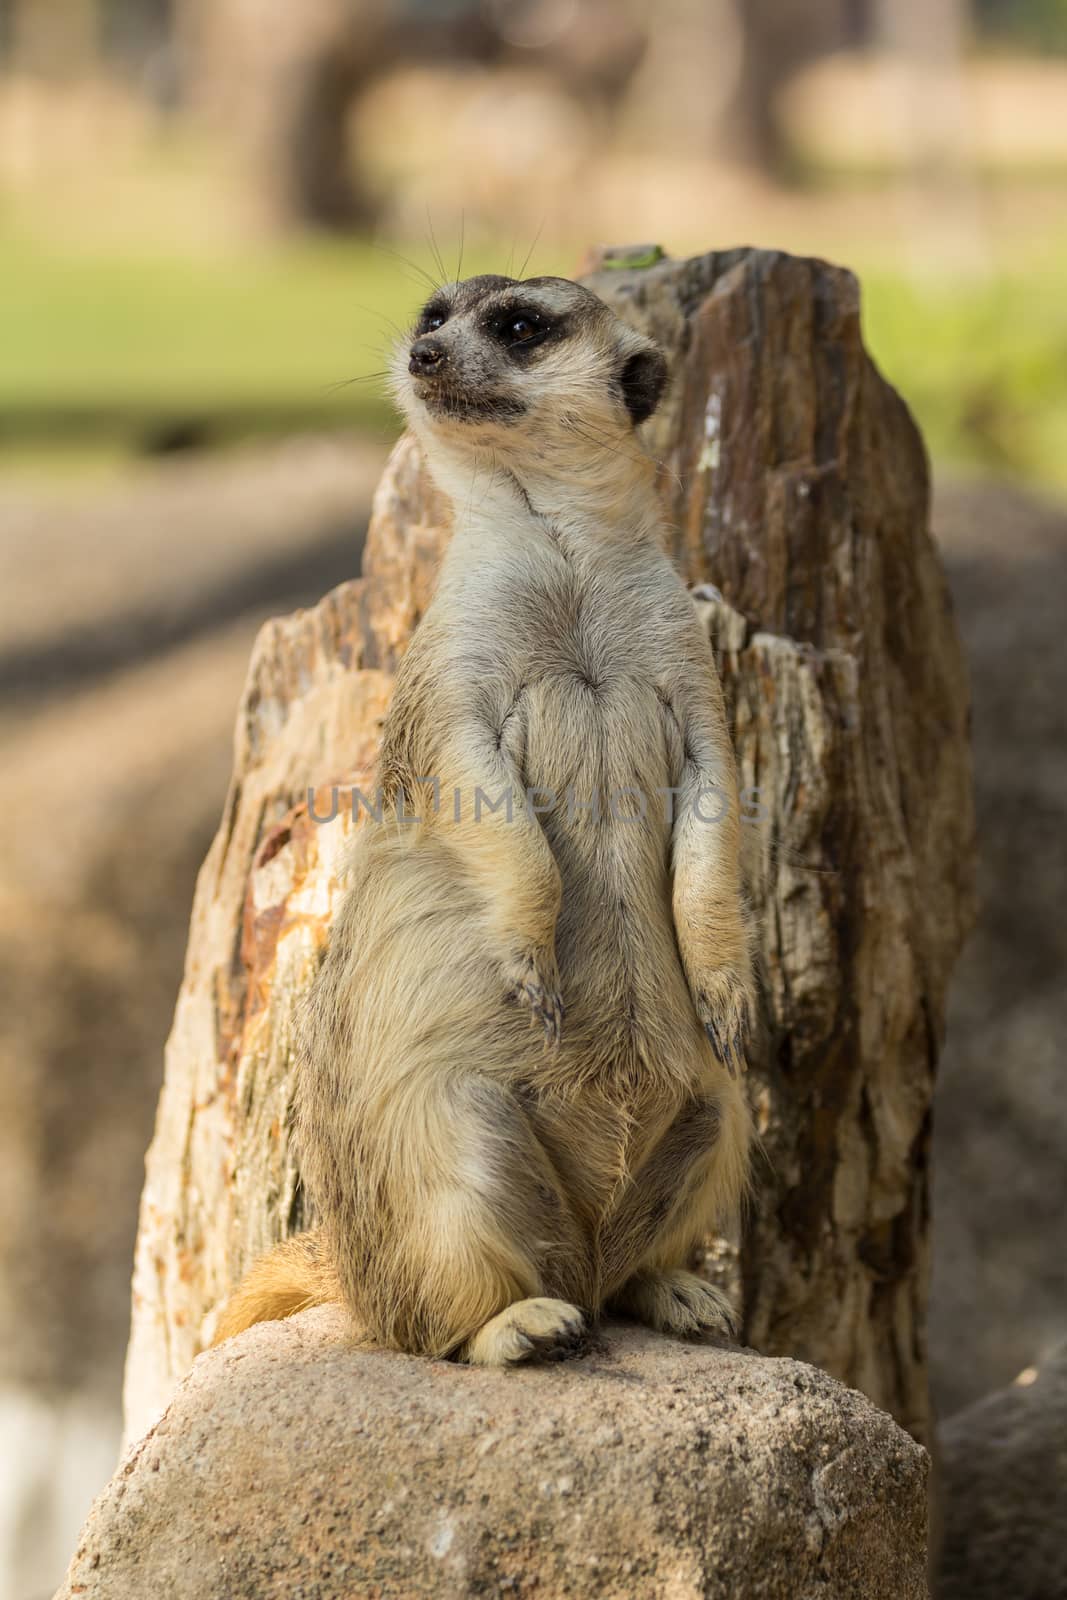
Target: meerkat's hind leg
(693, 1179)
(537, 1329)
(676, 1302)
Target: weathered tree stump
(796, 483)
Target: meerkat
(519, 1097)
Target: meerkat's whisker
(364, 377)
(438, 259)
(405, 261)
(372, 311)
(526, 258)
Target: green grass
(116, 353)
(100, 347)
(983, 365)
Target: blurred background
(214, 216)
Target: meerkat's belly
(597, 771)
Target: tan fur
(295, 1275)
(519, 1096)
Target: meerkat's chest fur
(562, 635)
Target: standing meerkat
(518, 1095)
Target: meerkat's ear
(643, 379)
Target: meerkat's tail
(295, 1275)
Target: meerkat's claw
(545, 1008)
(724, 1009)
(717, 1044)
(677, 1302)
(530, 1330)
(533, 989)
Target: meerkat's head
(520, 366)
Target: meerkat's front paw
(533, 982)
(723, 1002)
(530, 1330)
(676, 1302)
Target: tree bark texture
(796, 484)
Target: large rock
(999, 1292)
(1004, 1491)
(290, 1464)
(794, 479)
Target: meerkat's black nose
(427, 357)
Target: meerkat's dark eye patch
(434, 314)
(520, 328)
(643, 380)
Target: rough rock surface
(290, 1464)
(795, 481)
(1003, 1469)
